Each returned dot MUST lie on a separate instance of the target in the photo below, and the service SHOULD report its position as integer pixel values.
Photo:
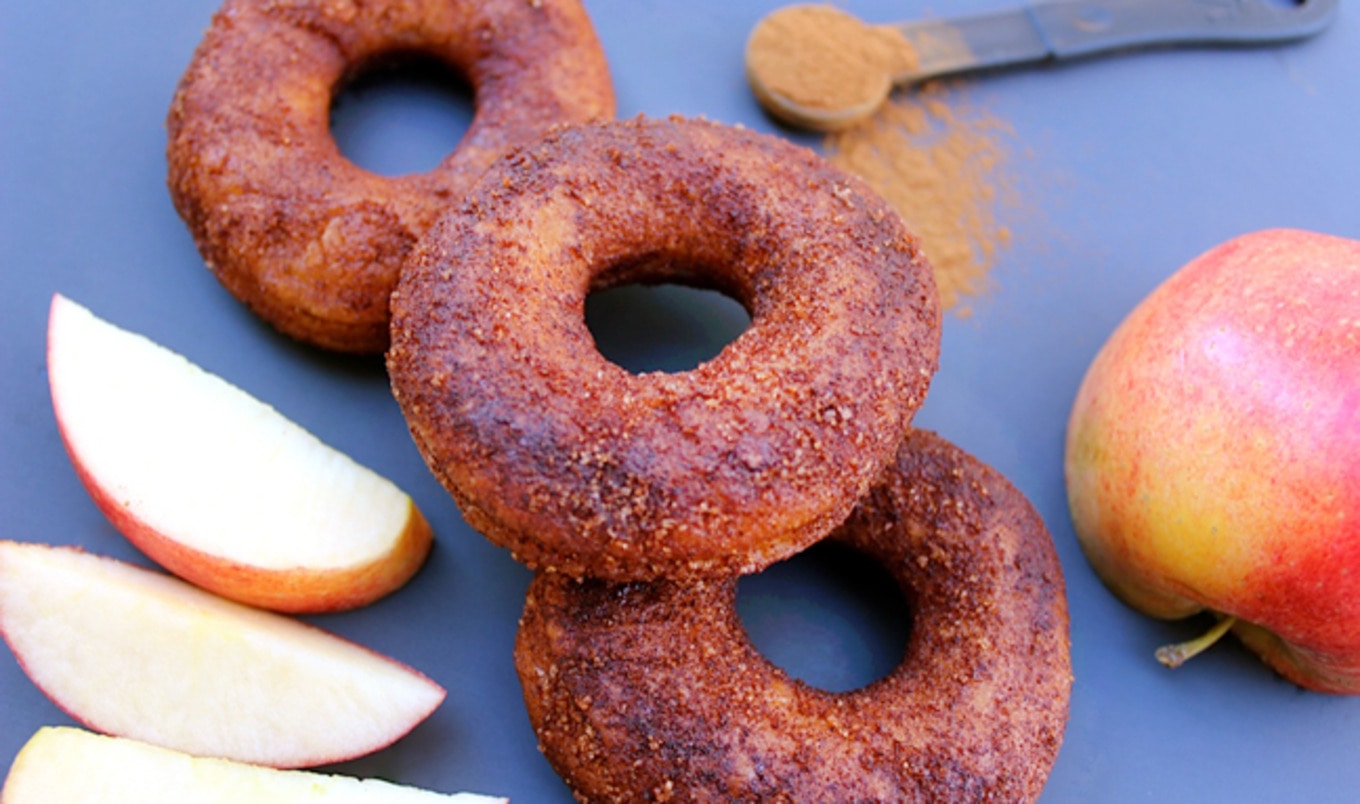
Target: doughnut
(580, 466)
(304, 237)
(651, 691)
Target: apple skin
(314, 580)
(294, 590)
(1213, 451)
(130, 651)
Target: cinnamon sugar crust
(581, 467)
(304, 237)
(653, 692)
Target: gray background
(1127, 167)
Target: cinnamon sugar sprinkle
(941, 162)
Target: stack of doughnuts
(640, 499)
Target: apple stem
(1181, 652)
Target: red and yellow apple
(218, 487)
(136, 653)
(1213, 452)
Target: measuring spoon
(1036, 32)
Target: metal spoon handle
(1062, 29)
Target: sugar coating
(307, 239)
(582, 467)
(653, 691)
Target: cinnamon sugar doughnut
(578, 465)
(653, 692)
(307, 239)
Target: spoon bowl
(817, 67)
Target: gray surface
(1128, 167)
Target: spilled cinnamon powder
(941, 163)
(937, 158)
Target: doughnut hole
(651, 316)
(401, 113)
(830, 616)
(667, 327)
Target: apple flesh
(73, 766)
(1213, 452)
(218, 487)
(136, 653)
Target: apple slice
(218, 487)
(72, 766)
(136, 653)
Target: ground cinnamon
(823, 58)
(936, 158)
(941, 163)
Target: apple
(218, 487)
(73, 766)
(1213, 453)
(133, 652)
